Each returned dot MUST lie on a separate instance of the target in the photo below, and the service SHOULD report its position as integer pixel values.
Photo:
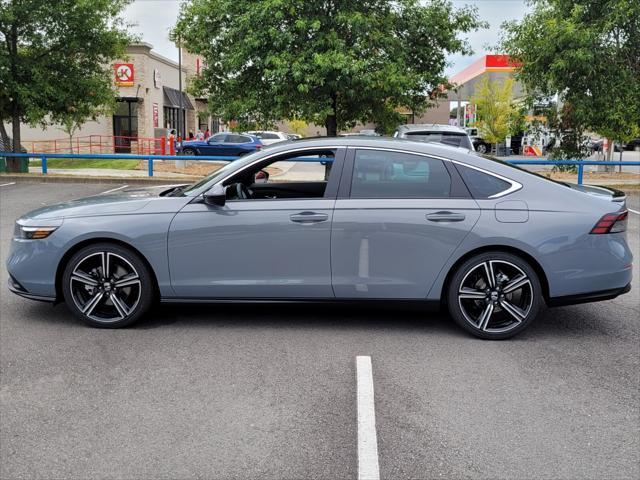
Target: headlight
(33, 233)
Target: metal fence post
(580, 172)
(150, 165)
(44, 165)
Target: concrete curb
(53, 178)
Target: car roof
(433, 127)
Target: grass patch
(75, 163)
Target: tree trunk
(4, 135)
(331, 121)
(13, 163)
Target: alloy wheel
(495, 296)
(105, 287)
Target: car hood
(122, 201)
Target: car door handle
(309, 217)
(445, 217)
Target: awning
(172, 98)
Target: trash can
(24, 164)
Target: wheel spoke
(123, 310)
(470, 293)
(91, 304)
(514, 311)
(483, 321)
(105, 264)
(488, 270)
(84, 278)
(127, 280)
(516, 283)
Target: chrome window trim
(515, 186)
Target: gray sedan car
(329, 220)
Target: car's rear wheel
(495, 295)
(108, 286)
(481, 148)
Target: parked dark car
(223, 144)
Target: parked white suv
(270, 137)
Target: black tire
(481, 148)
(120, 299)
(189, 151)
(510, 310)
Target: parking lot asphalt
(269, 391)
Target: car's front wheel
(189, 151)
(495, 295)
(481, 148)
(108, 286)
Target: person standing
(207, 134)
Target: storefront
(148, 105)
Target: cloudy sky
(154, 18)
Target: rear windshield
(447, 138)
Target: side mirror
(261, 176)
(216, 196)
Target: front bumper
(15, 287)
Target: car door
(235, 145)
(398, 218)
(256, 248)
(215, 145)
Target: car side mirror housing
(216, 196)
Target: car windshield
(448, 138)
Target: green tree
(585, 52)
(497, 113)
(331, 63)
(55, 60)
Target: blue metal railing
(579, 164)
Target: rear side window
(237, 139)
(480, 184)
(382, 174)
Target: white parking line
(368, 468)
(637, 213)
(115, 189)
(7, 184)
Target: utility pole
(180, 109)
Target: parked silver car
(395, 220)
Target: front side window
(383, 174)
(219, 138)
(294, 175)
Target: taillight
(611, 223)
(258, 146)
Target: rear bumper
(589, 297)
